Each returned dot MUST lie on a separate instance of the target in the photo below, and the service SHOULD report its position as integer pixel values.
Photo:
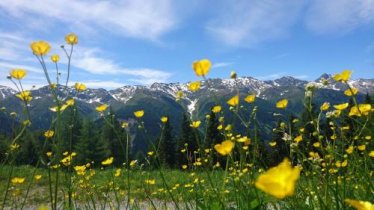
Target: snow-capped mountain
(159, 98)
(5, 92)
(244, 84)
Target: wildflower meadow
(322, 158)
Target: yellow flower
(195, 124)
(37, 177)
(298, 138)
(351, 92)
(150, 153)
(107, 161)
(18, 180)
(184, 166)
(179, 95)
(125, 124)
(233, 75)
(316, 144)
(225, 147)
(164, 119)
(325, 106)
(349, 150)
(66, 161)
(80, 87)
(40, 47)
(53, 86)
(101, 108)
(14, 146)
(194, 86)
(341, 106)
(55, 58)
(150, 181)
(117, 173)
(24, 96)
(70, 102)
(273, 143)
(360, 205)
(49, 154)
(49, 134)
(234, 101)
(43, 207)
(81, 170)
(244, 139)
(18, 73)
(343, 76)
(250, 98)
(280, 180)
(216, 109)
(71, 39)
(139, 113)
(361, 109)
(282, 104)
(371, 154)
(133, 163)
(201, 67)
(361, 147)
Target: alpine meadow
(133, 138)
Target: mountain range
(159, 99)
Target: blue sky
(145, 41)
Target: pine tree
(186, 141)
(89, 146)
(114, 136)
(166, 146)
(213, 136)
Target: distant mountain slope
(159, 98)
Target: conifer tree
(89, 146)
(166, 146)
(186, 141)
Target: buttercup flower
(18, 180)
(139, 113)
(194, 86)
(80, 87)
(341, 106)
(216, 109)
(71, 39)
(18, 73)
(250, 98)
(55, 58)
(360, 205)
(101, 108)
(107, 161)
(201, 67)
(49, 134)
(40, 47)
(280, 180)
(361, 109)
(343, 76)
(225, 147)
(24, 96)
(325, 106)
(351, 92)
(195, 124)
(282, 104)
(234, 101)
(164, 119)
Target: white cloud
(246, 23)
(100, 84)
(338, 16)
(221, 64)
(91, 62)
(146, 19)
